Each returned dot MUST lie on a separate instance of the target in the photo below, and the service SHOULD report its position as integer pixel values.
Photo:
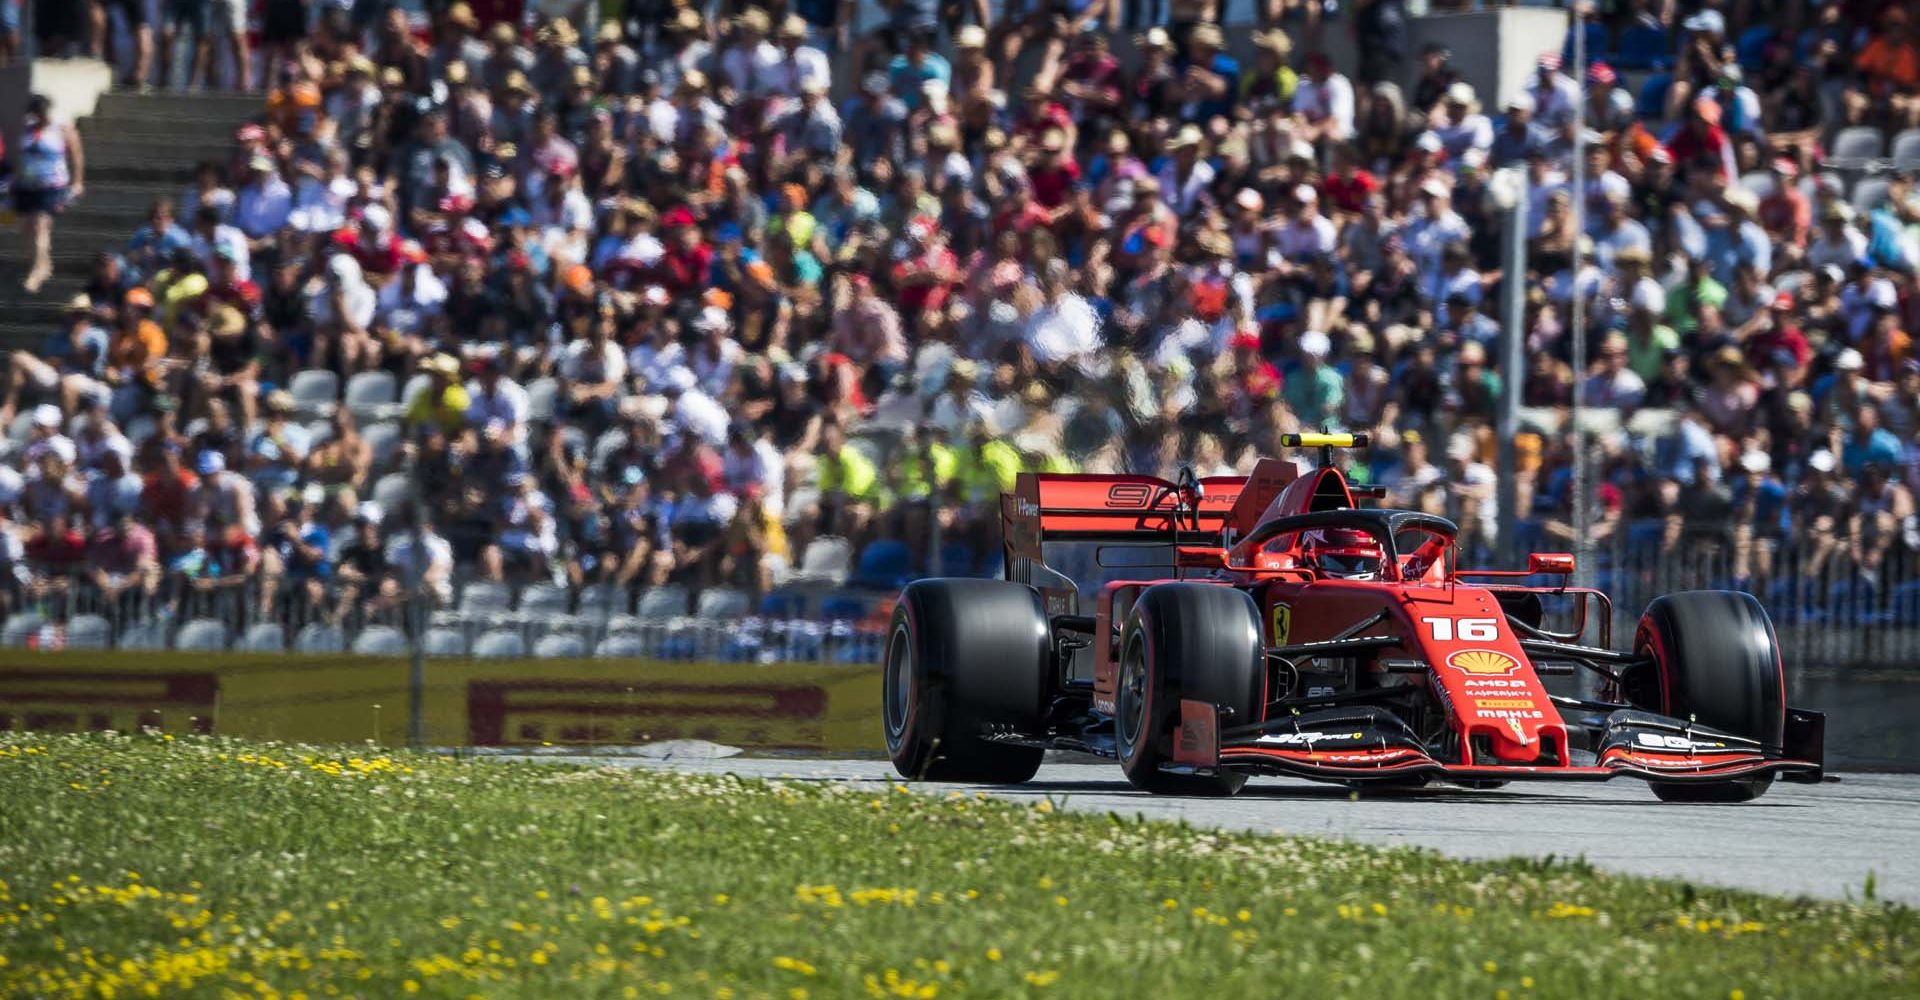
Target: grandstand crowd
(685, 299)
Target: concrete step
(162, 104)
(129, 199)
(209, 134)
(118, 152)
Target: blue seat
(885, 564)
(783, 604)
(1596, 43)
(956, 559)
(1751, 49)
(840, 606)
(1652, 104)
(1643, 47)
(1903, 607)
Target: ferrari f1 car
(1203, 630)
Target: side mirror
(1199, 558)
(1551, 562)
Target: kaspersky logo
(1483, 662)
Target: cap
(210, 463)
(46, 415)
(1783, 300)
(1601, 73)
(795, 26)
(972, 36)
(1207, 34)
(1250, 200)
(137, 296)
(81, 303)
(1433, 186)
(1305, 194)
(1755, 460)
(1461, 92)
(1821, 461)
(1429, 142)
(1315, 344)
(713, 318)
(1849, 360)
(1521, 101)
(368, 512)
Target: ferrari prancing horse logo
(1282, 623)
(1483, 662)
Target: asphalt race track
(1799, 839)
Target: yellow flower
(1491, 968)
(993, 954)
(1244, 915)
(410, 986)
(1042, 978)
(449, 922)
(1737, 994)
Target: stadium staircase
(139, 147)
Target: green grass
(140, 866)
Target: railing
(1834, 604)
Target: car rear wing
(1115, 508)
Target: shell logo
(1483, 662)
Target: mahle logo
(1484, 662)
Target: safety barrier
(801, 707)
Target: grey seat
(371, 395)
(481, 597)
(393, 491)
(315, 391)
(446, 642)
(619, 646)
(384, 440)
(544, 600)
(828, 559)
(202, 635)
(1760, 182)
(542, 394)
(1906, 150)
(660, 603)
(144, 637)
(1854, 147)
(722, 603)
(320, 638)
(21, 626)
(264, 637)
(500, 644)
(380, 640)
(89, 632)
(1869, 193)
(559, 646)
(414, 387)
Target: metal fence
(1835, 602)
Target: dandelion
(1042, 978)
(993, 954)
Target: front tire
(1715, 661)
(1186, 640)
(965, 656)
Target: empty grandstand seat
(1760, 182)
(446, 642)
(144, 637)
(621, 646)
(1869, 193)
(545, 600)
(1854, 147)
(500, 644)
(1596, 43)
(596, 603)
(542, 393)
(314, 391)
(21, 627)
(1906, 150)
(1652, 102)
(483, 598)
(384, 439)
(380, 640)
(784, 604)
(885, 564)
(828, 559)
(660, 603)
(843, 605)
(393, 491)
(319, 637)
(722, 603)
(1751, 49)
(1642, 46)
(264, 637)
(372, 395)
(559, 646)
(22, 426)
(89, 632)
(202, 635)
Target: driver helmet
(1342, 553)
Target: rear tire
(1186, 640)
(1716, 662)
(964, 656)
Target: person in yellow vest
(843, 470)
(444, 401)
(927, 463)
(988, 466)
(1270, 83)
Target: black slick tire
(965, 657)
(1715, 661)
(1186, 640)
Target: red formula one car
(1207, 629)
